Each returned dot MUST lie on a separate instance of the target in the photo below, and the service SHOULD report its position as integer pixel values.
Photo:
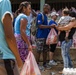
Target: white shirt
(64, 20)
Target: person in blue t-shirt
(54, 16)
(8, 49)
(22, 30)
(41, 35)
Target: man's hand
(52, 26)
(57, 27)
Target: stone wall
(57, 55)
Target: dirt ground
(58, 58)
(55, 69)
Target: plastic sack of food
(52, 37)
(30, 66)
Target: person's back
(7, 42)
(64, 20)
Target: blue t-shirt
(28, 29)
(5, 52)
(17, 24)
(41, 20)
(50, 23)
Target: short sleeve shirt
(28, 33)
(64, 20)
(5, 52)
(17, 24)
(42, 20)
(53, 22)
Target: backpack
(34, 26)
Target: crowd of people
(16, 40)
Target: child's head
(65, 12)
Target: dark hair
(66, 11)
(23, 4)
(47, 6)
(72, 14)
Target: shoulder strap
(42, 17)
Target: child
(64, 20)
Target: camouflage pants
(41, 44)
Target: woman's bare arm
(67, 27)
(23, 34)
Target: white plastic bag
(52, 37)
(30, 66)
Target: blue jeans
(65, 47)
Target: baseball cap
(54, 13)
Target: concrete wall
(57, 55)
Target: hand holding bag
(52, 37)
(30, 66)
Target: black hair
(47, 5)
(23, 4)
(72, 14)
